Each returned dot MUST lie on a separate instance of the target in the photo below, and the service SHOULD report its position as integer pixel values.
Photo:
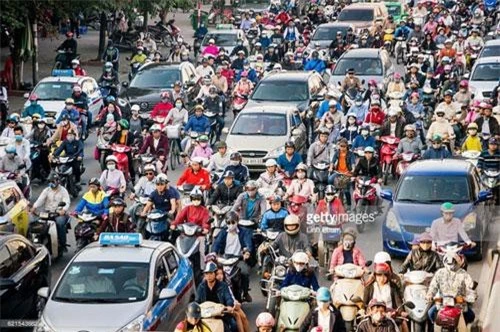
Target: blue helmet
(10, 149)
(110, 99)
(323, 295)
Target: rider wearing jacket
(292, 239)
(347, 252)
(300, 273)
(226, 192)
(274, 217)
(422, 258)
(241, 172)
(95, 200)
(250, 205)
(195, 175)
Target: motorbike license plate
(252, 161)
(331, 234)
(50, 121)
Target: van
(364, 15)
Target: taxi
(120, 283)
(52, 91)
(225, 36)
(14, 215)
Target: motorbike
(64, 169)
(197, 46)
(142, 160)
(188, 246)
(135, 213)
(449, 317)
(211, 314)
(85, 230)
(387, 152)
(274, 280)
(214, 125)
(406, 159)
(239, 102)
(125, 40)
(103, 149)
(23, 181)
(294, 306)
(63, 59)
(44, 231)
(120, 152)
(190, 144)
(218, 221)
(156, 226)
(395, 99)
(320, 178)
(400, 49)
(108, 88)
(328, 241)
(134, 68)
(416, 285)
(365, 196)
(471, 156)
(233, 272)
(185, 190)
(346, 289)
(473, 55)
(4, 113)
(37, 171)
(297, 206)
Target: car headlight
(133, 326)
(392, 222)
(275, 153)
(470, 221)
(122, 102)
(42, 326)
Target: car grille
(50, 114)
(415, 229)
(253, 154)
(487, 94)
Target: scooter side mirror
(125, 84)
(410, 305)
(26, 95)
(356, 299)
(62, 204)
(368, 263)
(225, 130)
(386, 194)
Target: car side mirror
(167, 294)
(362, 81)
(26, 95)
(466, 76)
(43, 292)
(386, 194)
(368, 263)
(7, 283)
(125, 84)
(296, 132)
(484, 195)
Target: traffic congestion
(278, 166)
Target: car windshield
(328, 33)
(54, 90)
(394, 10)
(427, 189)
(493, 50)
(221, 39)
(486, 72)
(103, 282)
(261, 124)
(281, 91)
(362, 66)
(362, 15)
(156, 78)
(254, 2)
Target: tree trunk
(102, 34)
(163, 15)
(16, 59)
(35, 52)
(146, 19)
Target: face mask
(298, 267)
(70, 138)
(41, 125)
(240, 43)
(364, 132)
(19, 138)
(473, 132)
(110, 109)
(111, 167)
(348, 244)
(232, 228)
(139, 52)
(11, 155)
(234, 162)
(376, 317)
(323, 305)
(69, 107)
(203, 145)
(196, 203)
(52, 185)
(108, 70)
(301, 175)
(178, 105)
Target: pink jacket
(338, 257)
(198, 151)
(211, 49)
(471, 117)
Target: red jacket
(161, 109)
(195, 214)
(338, 257)
(79, 71)
(336, 207)
(149, 144)
(375, 117)
(202, 178)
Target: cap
(375, 302)
(424, 237)
(228, 174)
(369, 149)
(437, 138)
(493, 141)
(211, 267)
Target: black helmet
(235, 156)
(94, 181)
(289, 144)
(232, 217)
(53, 178)
(118, 202)
(330, 190)
(193, 310)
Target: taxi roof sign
(63, 72)
(224, 27)
(120, 239)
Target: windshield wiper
(42, 99)
(89, 300)
(411, 200)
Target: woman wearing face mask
(178, 116)
(350, 129)
(112, 178)
(301, 186)
(202, 149)
(382, 288)
(41, 134)
(440, 127)
(136, 122)
(422, 258)
(299, 273)
(109, 127)
(325, 315)
(377, 320)
(347, 252)
(112, 109)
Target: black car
(154, 78)
(24, 268)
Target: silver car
(326, 33)
(484, 76)
(133, 287)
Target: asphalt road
(370, 241)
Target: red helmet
(69, 34)
(382, 268)
(164, 95)
(33, 97)
(464, 83)
(244, 73)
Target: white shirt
(233, 245)
(324, 320)
(49, 199)
(393, 129)
(383, 293)
(155, 142)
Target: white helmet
(111, 158)
(300, 257)
(75, 62)
(149, 167)
(155, 127)
(381, 257)
(271, 162)
(135, 107)
(292, 220)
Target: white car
(52, 91)
(484, 76)
(225, 36)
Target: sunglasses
(343, 146)
(330, 194)
(252, 189)
(196, 199)
(300, 263)
(231, 222)
(426, 242)
(150, 173)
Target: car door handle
(18, 286)
(36, 269)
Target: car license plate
(50, 120)
(252, 161)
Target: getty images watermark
(316, 221)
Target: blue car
(120, 283)
(417, 202)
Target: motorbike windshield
(426, 189)
(486, 72)
(394, 10)
(260, 124)
(362, 66)
(103, 282)
(281, 91)
(159, 78)
(54, 90)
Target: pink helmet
(244, 73)
(164, 94)
(33, 97)
(372, 82)
(476, 103)
(464, 83)
(414, 94)
(265, 319)
(397, 76)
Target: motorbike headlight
(273, 154)
(392, 222)
(42, 326)
(280, 271)
(470, 221)
(122, 102)
(135, 325)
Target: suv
(484, 76)
(363, 15)
(326, 33)
(260, 133)
(153, 78)
(369, 63)
(417, 202)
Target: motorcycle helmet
(381, 257)
(155, 127)
(220, 145)
(369, 149)
(111, 159)
(377, 303)
(292, 224)
(196, 194)
(193, 311)
(161, 179)
(409, 127)
(69, 101)
(108, 66)
(472, 125)
(447, 207)
(202, 138)
(300, 260)
(452, 261)
(53, 178)
(290, 144)
(323, 295)
(324, 131)
(464, 84)
(301, 167)
(95, 182)
(244, 73)
(347, 243)
(118, 202)
(271, 163)
(232, 217)
(77, 88)
(382, 268)
(265, 319)
(33, 97)
(135, 108)
(123, 124)
(110, 99)
(277, 67)
(235, 156)
(165, 95)
(251, 185)
(149, 168)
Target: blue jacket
(305, 278)
(402, 32)
(33, 109)
(265, 41)
(72, 149)
(432, 153)
(95, 204)
(273, 220)
(351, 159)
(220, 241)
(315, 64)
(252, 75)
(241, 173)
(360, 111)
(199, 125)
(361, 142)
(74, 115)
(289, 166)
(323, 108)
(223, 293)
(349, 133)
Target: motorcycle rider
(156, 143)
(383, 288)
(198, 123)
(347, 252)
(250, 205)
(377, 319)
(41, 134)
(290, 159)
(149, 44)
(422, 258)
(320, 150)
(124, 137)
(205, 70)
(292, 239)
(325, 316)
(437, 150)
(215, 104)
(109, 78)
(364, 140)
(393, 125)
(472, 142)
(441, 127)
(13, 163)
(464, 95)
(375, 116)
(448, 228)
(193, 322)
(202, 149)
(118, 221)
(220, 81)
(226, 192)
(22, 145)
(195, 175)
(49, 200)
(487, 122)
(163, 107)
(164, 197)
(490, 156)
(220, 159)
(299, 273)
(452, 280)
(70, 111)
(73, 148)
(80, 99)
(474, 40)
(234, 241)
(113, 178)
(397, 85)
(359, 108)
(111, 54)
(34, 107)
(315, 63)
(369, 166)
(241, 172)
(301, 186)
(70, 47)
(410, 143)
(274, 217)
(270, 178)
(77, 68)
